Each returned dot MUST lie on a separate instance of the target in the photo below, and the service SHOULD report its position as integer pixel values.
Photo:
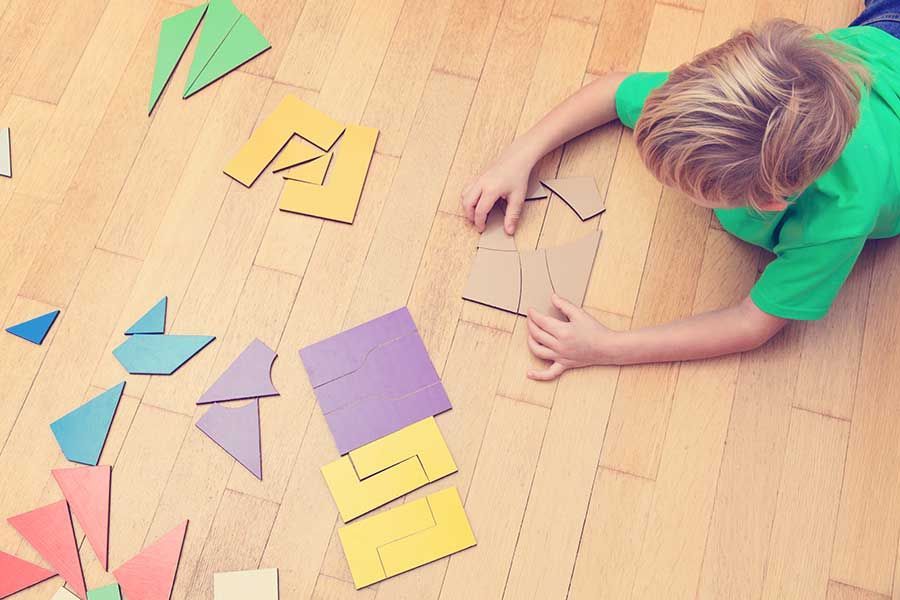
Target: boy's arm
(591, 106)
(583, 341)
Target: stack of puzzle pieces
(324, 163)
(379, 392)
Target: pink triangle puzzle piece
(87, 491)
(150, 575)
(17, 574)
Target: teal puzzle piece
(36, 329)
(159, 354)
(153, 321)
(107, 592)
(82, 433)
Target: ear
(774, 205)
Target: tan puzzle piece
(570, 266)
(495, 279)
(494, 236)
(580, 193)
(536, 285)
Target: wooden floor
(772, 475)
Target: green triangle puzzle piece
(221, 18)
(243, 43)
(174, 36)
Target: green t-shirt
(818, 238)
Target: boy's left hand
(580, 342)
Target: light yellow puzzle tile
(388, 468)
(312, 171)
(241, 585)
(354, 497)
(295, 153)
(338, 198)
(450, 534)
(291, 116)
(362, 539)
(422, 438)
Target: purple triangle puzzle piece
(249, 376)
(236, 431)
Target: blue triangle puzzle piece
(158, 354)
(36, 329)
(82, 433)
(153, 321)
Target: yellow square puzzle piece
(291, 116)
(388, 468)
(338, 198)
(406, 537)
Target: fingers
(469, 200)
(552, 326)
(541, 336)
(514, 205)
(485, 204)
(566, 307)
(541, 352)
(548, 374)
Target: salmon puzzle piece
(388, 468)
(49, 531)
(150, 575)
(87, 490)
(406, 537)
(17, 574)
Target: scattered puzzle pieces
(388, 468)
(291, 117)
(107, 592)
(338, 199)
(5, 153)
(374, 379)
(312, 171)
(150, 575)
(86, 489)
(580, 193)
(244, 585)
(17, 574)
(516, 282)
(153, 321)
(249, 376)
(297, 152)
(49, 531)
(174, 36)
(236, 431)
(406, 537)
(36, 329)
(82, 433)
(159, 354)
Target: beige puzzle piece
(261, 584)
(580, 193)
(570, 266)
(494, 237)
(495, 279)
(537, 288)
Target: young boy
(793, 139)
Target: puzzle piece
(312, 171)
(338, 199)
(36, 329)
(516, 282)
(249, 376)
(580, 193)
(150, 575)
(536, 191)
(49, 531)
(5, 153)
(374, 379)
(406, 537)
(64, 594)
(261, 584)
(175, 34)
(153, 321)
(291, 117)
(107, 592)
(388, 468)
(82, 433)
(297, 151)
(236, 431)
(243, 43)
(86, 489)
(17, 574)
(158, 354)
(221, 17)
(494, 236)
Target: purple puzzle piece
(365, 422)
(345, 352)
(236, 430)
(249, 376)
(395, 369)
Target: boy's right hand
(506, 178)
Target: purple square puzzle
(374, 379)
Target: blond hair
(757, 118)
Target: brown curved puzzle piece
(580, 193)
